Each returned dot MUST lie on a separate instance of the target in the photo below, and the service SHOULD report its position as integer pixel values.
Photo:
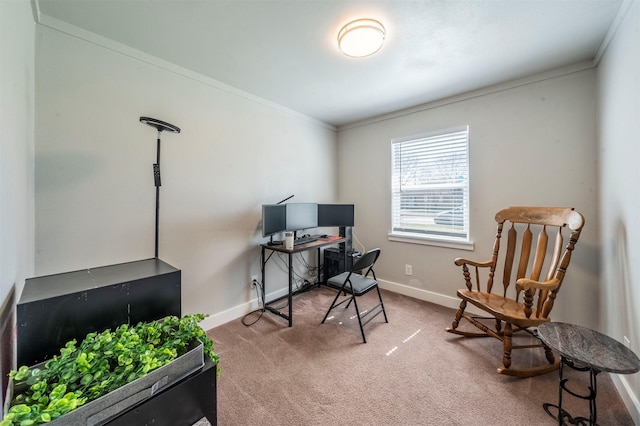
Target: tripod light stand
(160, 127)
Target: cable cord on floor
(258, 286)
(261, 310)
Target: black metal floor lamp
(160, 127)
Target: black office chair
(352, 284)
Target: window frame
(431, 235)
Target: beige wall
(532, 142)
(619, 153)
(94, 191)
(17, 38)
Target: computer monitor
(336, 215)
(301, 216)
(274, 219)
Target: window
(430, 185)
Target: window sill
(430, 241)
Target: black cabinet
(57, 308)
(54, 309)
(183, 404)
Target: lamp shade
(360, 38)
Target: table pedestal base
(593, 352)
(562, 414)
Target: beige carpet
(411, 372)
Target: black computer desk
(314, 245)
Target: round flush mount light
(360, 38)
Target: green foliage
(102, 363)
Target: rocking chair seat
(501, 308)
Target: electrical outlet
(627, 342)
(408, 269)
(254, 280)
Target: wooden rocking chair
(529, 304)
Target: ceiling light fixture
(360, 38)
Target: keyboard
(304, 240)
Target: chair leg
(499, 326)
(333, 305)
(553, 365)
(353, 298)
(355, 303)
(456, 320)
(507, 345)
(384, 312)
(548, 353)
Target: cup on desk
(288, 240)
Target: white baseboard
(238, 311)
(449, 301)
(417, 293)
(628, 397)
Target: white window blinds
(430, 185)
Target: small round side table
(585, 350)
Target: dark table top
(591, 348)
(48, 286)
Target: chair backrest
(366, 262)
(548, 261)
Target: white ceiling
(285, 51)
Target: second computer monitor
(301, 216)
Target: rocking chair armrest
(460, 261)
(525, 284)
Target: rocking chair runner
(528, 303)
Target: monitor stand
(274, 243)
